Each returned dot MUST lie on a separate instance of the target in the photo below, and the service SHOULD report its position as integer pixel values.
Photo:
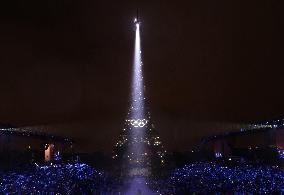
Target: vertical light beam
(137, 100)
(138, 122)
(137, 119)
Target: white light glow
(138, 122)
(137, 116)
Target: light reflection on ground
(138, 186)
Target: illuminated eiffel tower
(139, 149)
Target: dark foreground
(200, 178)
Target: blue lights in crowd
(200, 178)
(204, 178)
(76, 178)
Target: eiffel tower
(139, 149)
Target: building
(264, 136)
(22, 145)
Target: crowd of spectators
(199, 178)
(208, 178)
(65, 178)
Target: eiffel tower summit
(139, 149)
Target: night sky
(66, 64)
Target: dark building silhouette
(22, 145)
(260, 138)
